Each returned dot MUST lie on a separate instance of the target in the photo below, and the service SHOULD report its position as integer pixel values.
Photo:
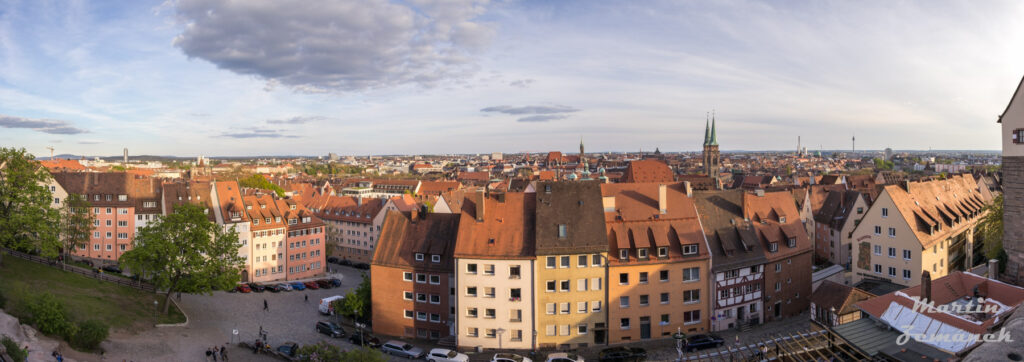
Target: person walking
(208, 353)
(265, 308)
(213, 352)
(223, 354)
(307, 298)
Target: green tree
(991, 232)
(357, 303)
(881, 164)
(257, 181)
(89, 335)
(27, 222)
(323, 352)
(185, 252)
(76, 223)
(50, 316)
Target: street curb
(182, 324)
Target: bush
(13, 350)
(49, 315)
(89, 335)
(3, 299)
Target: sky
(283, 77)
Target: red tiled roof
(507, 229)
(648, 171)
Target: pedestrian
(265, 308)
(213, 352)
(208, 353)
(223, 354)
(307, 298)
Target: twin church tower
(712, 164)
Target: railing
(83, 271)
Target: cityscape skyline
(478, 77)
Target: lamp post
(500, 332)
(679, 337)
(156, 306)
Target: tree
(991, 232)
(357, 303)
(76, 223)
(257, 181)
(185, 252)
(27, 222)
(322, 352)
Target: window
(515, 315)
(623, 254)
(551, 262)
(623, 278)
(419, 256)
(595, 306)
(564, 286)
(773, 247)
(885, 212)
(472, 332)
(513, 272)
(878, 268)
(408, 313)
(892, 271)
(471, 291)
(581, 307)
(561, 231)
(564, 262)
(624, 302)
(581, 285)
(550, 308)
(489, 313)
(691, 317)
(691, 274)
(488, 269)
(791, 242)
(470, 268)
(435, 258)
(563, 308)
(489, 292)
(690, 249)
(551, 285)
(490, 333)
(595, 260)
(664, 298)
(595, 283)
(778, 286)
(641, 253)
(691, 296)
(906, 274)
(421, 278)
(624, 323)
(644, 299)
(892, 232)
(581, 329)
(878, 230)
(56, 200)
(421, 297)
(435, 279)
(643, 277)
(778, 267)
(878, 249)
(550, 327)
(906, 254)
(663, 275)
(662, 252)
(422, 316)
(405, 295)
(892, 252)
(860, 210)
(122, 223)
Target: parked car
(275, 288)
(335, 282)
(622, 354)
(326, 306)
(402, 349)
(564, 357)
(288, 350)
(332, 260)
(509, 357)
(324, 284)
(360, 338)
(363, 266)
(285, 287)
(344, 262)
(112, 269)
(298, 286)
(702, 341)
(311, 285)
(257, 287)
(242, 288)
(330, 328)
(446, 355)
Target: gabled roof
(733, 242)
(402, 237)
(506, 232)
(637, 222)
(649, 170)
(841, 297)
(772, 228)
(1010, 103)
(932, 203)
(577, 205)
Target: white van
(326, 304)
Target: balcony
(515, 299)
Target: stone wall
(1013, 217)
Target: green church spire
(714, 139)
(707, 130)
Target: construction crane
(51, 151)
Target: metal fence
(91, 273)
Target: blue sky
(252, 77)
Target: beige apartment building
(571, 266)
(494, 272)
(918, 226)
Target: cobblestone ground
(212, 318)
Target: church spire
(707, 129)
(713, 141)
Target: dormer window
(277, 219)
(247, 207)
(690, 249)
(293, 207)
(419, 256)
(791, 242)
(435, 258)
(641, 253)
(562, 231)
(662, 252)
(255, 221)
(263, 206)
(623, 254)
(267, 220)
(122, 197)
(782, 219)
(773, 247)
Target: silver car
(402, 349)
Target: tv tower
(854, 141)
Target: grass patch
(120, 307)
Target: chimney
(662, 199)
(415, 215)
(481, 197)
(905, 185)
(688, 188)
(993, 269)
(926, 287)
